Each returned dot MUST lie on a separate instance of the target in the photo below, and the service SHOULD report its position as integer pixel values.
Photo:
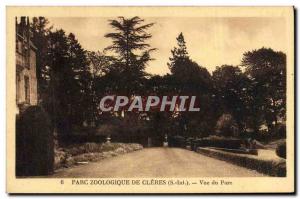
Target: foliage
(177, 141)
(71, 82)
(65, 88)
(68, 156)
(226, 126)
(40, 36)
(99, 63)
(179, 54)
(231, 85)
(132, 53)
(187, 73)
(34, 143)
(281, 150)
(217, 141)
(189, 78)
(267, 97)
(279, 131)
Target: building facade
(26, 82)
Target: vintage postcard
(150, 100)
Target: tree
(189, 75)
(101, 84)
(40, 29)
(179, 54)
(267, 70)
(231, 85)
(70, 102)
(99, 63)
(56, 104)
(132, 52)
(79, 88)
(189, 78)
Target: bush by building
(281, 150)
(34, 143)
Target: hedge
(268, 167)
(216, 141)
(34, 143)
(281, 150)
(177, 141)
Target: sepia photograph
(150, 97)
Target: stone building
(26, 82)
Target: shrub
(218, 142)
(189, 141)
(83, 148)
(110, 146)
(133, 147)
(59, 158)
(226, 126)
(281, 150)
(89, 152)
(34, 143)
(177, 141)
(279, 131)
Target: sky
(210, 42)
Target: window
(26, 56)
(18, 88)
(19, 47)
(27, 89)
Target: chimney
(28, 25)
(23, 21)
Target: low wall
(238, 151)
(267, 166)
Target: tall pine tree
(188, 74)
(129, 42)
(179, 54)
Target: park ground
(157, 162)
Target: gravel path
(158, 162)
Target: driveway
(157, 162)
